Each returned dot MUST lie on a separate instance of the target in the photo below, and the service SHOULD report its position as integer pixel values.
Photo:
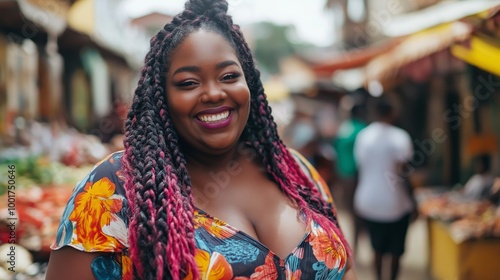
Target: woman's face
(208, 96)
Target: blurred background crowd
(68, 69)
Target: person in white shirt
(382, 198)
(478, 186)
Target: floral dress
(96, 220)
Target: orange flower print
(265, 271)
(214, 226)
(331, 252)
(126, 267)
(220, 229)
(211, 267)
(97, 227)
(201, 220)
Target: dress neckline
(253, 240)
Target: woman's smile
(216, 114)
(214, 118)
(215, 121)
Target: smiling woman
(208, 95)
(205, 188)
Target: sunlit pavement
(414, 261)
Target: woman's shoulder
(110, 164)
(95, 217)
(313, 175)
(108, 171)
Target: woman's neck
(211, 161)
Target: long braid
(278, 160)
(159, 200)
(158, 185)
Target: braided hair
(158, 186)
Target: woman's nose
(213, 93)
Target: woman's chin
(221, 145)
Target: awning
(32, 21)
(480, 51)
(416, 47)
(44, 14)
(443, 12)
(352, 59)
(483, 49)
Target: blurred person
(494, 194)
(303, 137)
(382, 198)
(205, 188)
(111, 125)
(479, 184)
(346, 169)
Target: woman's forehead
(203, 44)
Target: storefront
(31, 78)
(55, 84)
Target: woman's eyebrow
(197, 69)
(187, 69)
(225, 64)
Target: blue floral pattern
(222, 251)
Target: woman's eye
(186, 84)
(230, 76)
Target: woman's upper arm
(93, 224)
(69, 263)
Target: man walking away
(382, 199)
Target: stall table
(475, 259)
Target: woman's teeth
(214, 118)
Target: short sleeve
(405, 147)
(358, 147)
(94, 219)
(314, 176)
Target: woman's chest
(255, 205)
(225, 252)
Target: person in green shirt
(346, 169)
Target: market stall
(464, 235)
(32, 201)
(36, 182)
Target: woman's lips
(215, 121)
(213, 117)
